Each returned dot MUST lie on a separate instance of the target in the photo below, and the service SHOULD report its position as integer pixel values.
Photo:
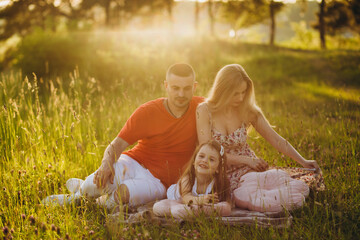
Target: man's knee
(122, 194)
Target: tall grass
(61, 130)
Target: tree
(336, 16)
(354, 5)
(21, 16)
(274, 7)
(249, 12)
(211, 17)
(120, 11)
(321, 16)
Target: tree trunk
(211, 17)
(272, 23)
(107, 12)
(322, 25)
(197, 12)
(169, 8)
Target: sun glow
(4, 3)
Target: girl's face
(239, 94)
(206, 160)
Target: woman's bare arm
(282, 145)
(203, 124)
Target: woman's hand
(104, 174)
(311, 164)
(258, 164)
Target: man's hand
(104, 174)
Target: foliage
(242, 14)
(304, 38)
(46, 53)
(120, 12)
(311, 97)
(22, 16)
(340, 17)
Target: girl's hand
(258, 164)
(210, 198)
(311, 164)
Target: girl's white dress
(173, 191)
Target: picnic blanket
(238, 217)
(281, 219)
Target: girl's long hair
(221, 185)
(226, 81)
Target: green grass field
(52, 132)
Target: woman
(227, 114)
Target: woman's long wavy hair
(226, 81)
(221, 185)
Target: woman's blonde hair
(226, 81)
(221, 185)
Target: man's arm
(106, 171)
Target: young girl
(203, 187)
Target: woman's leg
(271, 191)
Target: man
(165, 129)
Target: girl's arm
(189, 199)
(203, 126)
(263, 127)
(200, 200)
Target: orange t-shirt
(165, 144)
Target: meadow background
(66, 94)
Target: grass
(54, 131)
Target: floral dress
(235, 143)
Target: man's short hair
(181, 70)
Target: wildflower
(67, 236)
(91, 232)
(58, 230)
(53, 227)
(23, 216)
(5, 230)
(36, 231)
(43, 226)
(32, 219)
(4, 188)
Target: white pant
(143, 186)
